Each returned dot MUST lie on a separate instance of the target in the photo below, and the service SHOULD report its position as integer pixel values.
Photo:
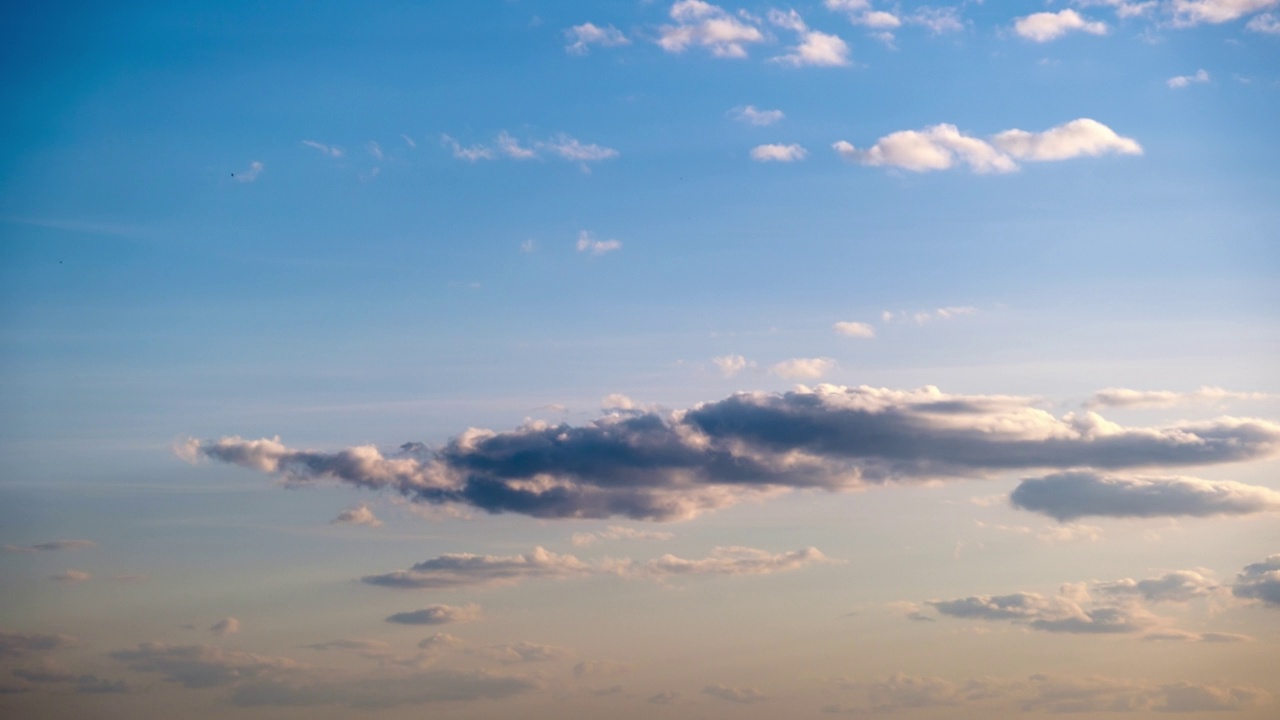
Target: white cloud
(470, 154)
(438, 615)
(922, 317)
(248, 176)
(817, 49)
(1045, 26)
(1123, 8)
(1265, 23)
(937, 20)
(1181, 81)
(226, 626)
(375, 150)
(734, 561)
(1070, 140)
(702, 24)
(803, 368)
(583, 36)
(1187, 13)
(730, 365)
(360, 515)
(789, 20)
(408, 141)
(854, 329)
(752, 116)
(510, 147)
(938, 147)
(618, 532)
(1124, 397)
(588, 244)
(778, 153)
(330, 150)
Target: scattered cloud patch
(1268, 23)
(226, 626)
(743, 695)
(618, 532)
(470, 153)
(248, 176)
(778, 153)
(359, 515)
(1188, 13)
(582, 37)
(17, 645)
(922, 317)
(588, 244)
(803, 368)
(1260, 581)
(730, 365)
(71, 577)
(1045, 26)
(52, 546)
(200, 666)
(814, 48)
(1078, 138)
(1124, 397)
(702, 24)
(438, 615)
(1181, 81)
(853, 328)
(332, 151)
(1084, 493)
(751, 115)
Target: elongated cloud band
(1068, 496)
(653, 466)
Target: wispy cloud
(743, 695)
(248, 176)
(52, 546)
(330, 150)
(618, 532)
(587, 243)
(853, 328)
(803, 368)
(582, 37)
(226, 626)
(1181, 81)
(751, 115)
(778, 153)
(1125, 397)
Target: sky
(640, 359)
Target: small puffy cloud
(469, 153)
(437, 615)
(226, 626)
(1124, 397)
(938, 147)
(1085, 493)
(730, 365)
(359, 515)
(1268, 23)
(778, 153)
(1181, 81)
(1187, 13)
(616, 401)
(16, 645)
(816, 49)
(1260, 581)
(71, 577)
(751, 115)
(744, 695)
(618, 532)
(1070, 140)
(248, 176)
(854, 329)
(588, 244)
(803, 368)
(1045, 26)
(330, 150)
(702, 24)
(582, 37)
(51, 546)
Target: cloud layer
(1068, 496)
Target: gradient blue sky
(575, 224)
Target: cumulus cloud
(1260, 581)
(330, 150)
(656, 465)
(359, 515)
(226, 626)
(744, 695)
(853, 328)
(803, 368)
(1072, 495)
(730, 365)
(751, 115)
(588, 244)
(702, 24)
(816, 49)
(618, 532)
(778, 153)
(466, 570)
(1181, 81)
(16, 644)
(51, 546)
(1179, 586)
(1124, 397)
(582, 37)
(1045, 26)
(1188, 13)
(1069, 140)
(438, 615)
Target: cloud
(226, 626)
(730, 365)
(664, 698)
(438, 615)
(1260, 581)
(817, 49)
(409, 141)
(618, 532)
(522, 652)
(509, 146)
(466, 570)
(666, 466)
(248, 176)
(381, 692)
(752, 116)
(937, 20)
(1179, 586)
(745, 695)
(599, 668)
(854, 329)
(52, 546)
(470, 154)
(1265, 23)
(200, 666)
(1187, 13)
(1082, 493)
(927, 316)
(71, 577)
(582, 37)
(1058, 614)
(359, 515)
(588, 244)
(330, 150)
(1045, 26)
(702, 24)
(1181, 81)
(1173, 635)
(570, 148)
(1069, 140)
(1124, 397)
(778, 153)
(16, 645)
(616, 401)
(803, 368)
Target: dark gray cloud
(646, 465)
(51, 546)
(454, 570)
(437, 615)
(382, 692)
(14, 644)
(1260, 581)
(1083, 493)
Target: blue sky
(583, 227)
